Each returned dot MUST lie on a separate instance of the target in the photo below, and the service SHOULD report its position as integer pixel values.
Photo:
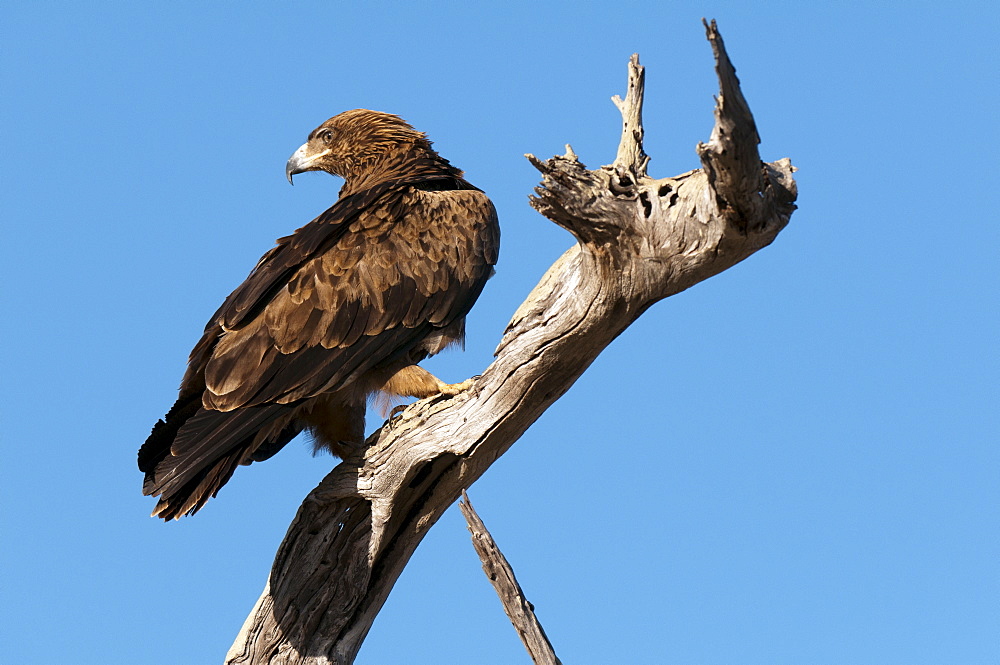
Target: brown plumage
(343, 308)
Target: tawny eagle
(343, 308)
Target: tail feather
(207, 436)
(157, 445)
(190, 497)
(191, 454)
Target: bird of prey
(342, 309)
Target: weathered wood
(630, 155)
(520, 612)
(639, 240)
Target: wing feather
(280, 264)
(393, 273)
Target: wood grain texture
(639, 240)
(515, 604)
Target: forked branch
(639, 240)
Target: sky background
(793, 462)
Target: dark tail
(194, 451)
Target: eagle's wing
(275, 268)
(410, 264)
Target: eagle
(341, 310)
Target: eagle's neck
(417, 161)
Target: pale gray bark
(639, 241)
(498, 571)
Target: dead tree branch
(639, 241)
(520, 612)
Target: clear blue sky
(794, 462)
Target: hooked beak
(302, 161)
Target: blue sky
(794, 462)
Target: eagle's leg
(336, 422)
(415, 381)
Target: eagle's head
(357, 145)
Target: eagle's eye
(326, 136)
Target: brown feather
(331, 314)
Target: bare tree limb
(520, 612)
(639, 241)
(631, 156)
